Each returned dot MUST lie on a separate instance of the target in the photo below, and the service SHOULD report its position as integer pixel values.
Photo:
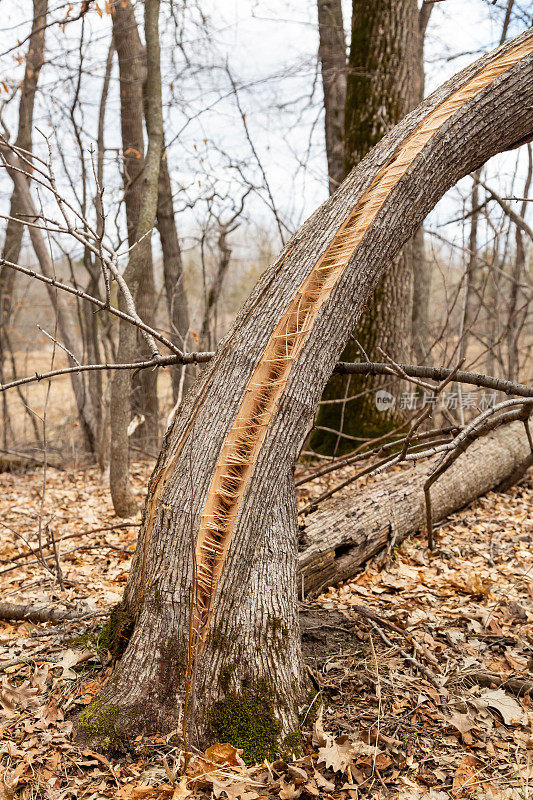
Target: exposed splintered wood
(269, 379)
(343, 533)
(221, 514)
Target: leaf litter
(438, 707)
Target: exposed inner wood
(266, 386)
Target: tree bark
(517, 315)
(29, 613)
(332, 55)
(210, 608)
(139, 191)
(67, 322)
(383, 84)
(14, 229)
(344, 532)
(422, 269)
(176, 296)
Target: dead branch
(29, 613)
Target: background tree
(384, 82)
(14, 230)
(142, 183)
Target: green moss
(116, 634)
(247, 720)
(226, 674)
(98, 722)
(89, 640)
(221, 639)
(292, 745)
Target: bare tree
(332, 54)
(383, 84)
(176, 296)
(143, 201)
(14, 229)
(210, 607)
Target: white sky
(270, 48)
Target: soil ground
(421, 666)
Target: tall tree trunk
(517, 315)
(210, 607)
(66, 318)
(421, 266)
(139, 272)
(383, 84)
(14, 229)
(176, 296)
(94, 323)
(208, 329)
(332, 54)
(471, 273)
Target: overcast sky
(269, 47)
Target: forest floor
(429, 696)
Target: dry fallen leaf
(323, 783)
(501, 701)
(181, 791)
(14, 699)
(461, 722)
(234, 790)
(337, 755)
(224, 753)
(320, 737)
(466, 776)
(288, 791)
(69, 659)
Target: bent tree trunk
(343, 533)
(210, 609)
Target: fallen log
(344, 532)
(31, 613)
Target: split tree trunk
(383, 85)
(218, 543)
(347, 530)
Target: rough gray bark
(421, 329)
(332, 54)
(141, 178)
(244, 633)
(383, 84)
(30, 613)
(344, 532)
(176, 296)
(14, 229)
(66, 318)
